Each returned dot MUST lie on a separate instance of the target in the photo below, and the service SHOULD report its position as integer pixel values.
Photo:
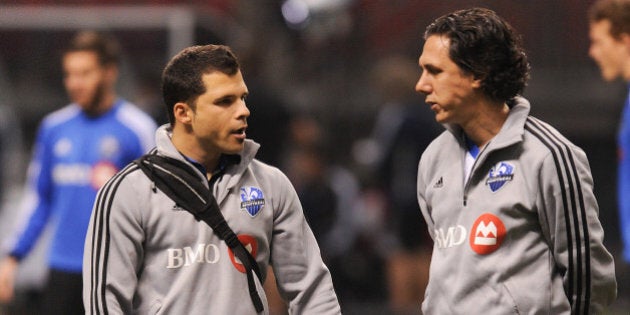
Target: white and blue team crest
(252, 200)
(500, 174)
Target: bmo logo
(450, 237)
(487, 234)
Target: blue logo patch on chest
(499, 175)
(252, 200)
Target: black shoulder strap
(178, 181)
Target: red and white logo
(487, 234)
(251, 245)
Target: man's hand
(8, 269)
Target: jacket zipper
(472, 171)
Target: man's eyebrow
(431, 68)
(224, 97)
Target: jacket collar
(511, 132)
(238, 163)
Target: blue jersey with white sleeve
(74, 155)
(623, 178)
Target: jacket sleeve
(113, 249)
(36, 201)
(302, 277)
(572, 227)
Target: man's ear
(476, 82)
(182, 113)
(111, 73)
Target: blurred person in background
(305, 163)
(77, 149)
(271, 110)
(328, 190)
(308, 172)
(609, 32)
(401, 132)
(508, 200)
(328, 193)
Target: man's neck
(188, 145)
(486, 124)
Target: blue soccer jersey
(623, 178)
(74, 155)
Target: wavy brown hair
(486, 46)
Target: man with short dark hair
(150, 251)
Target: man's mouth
(240, 132)
(433, 105)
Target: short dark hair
(103, 44)
(486, 46)
(182, 76)
(615, 11)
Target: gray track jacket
(522, 234)
(144, 255)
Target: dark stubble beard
(94, 106)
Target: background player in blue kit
(77, 149)
(609, 32)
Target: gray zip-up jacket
(144, 255)
(521, 235)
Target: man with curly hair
(507, 199)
